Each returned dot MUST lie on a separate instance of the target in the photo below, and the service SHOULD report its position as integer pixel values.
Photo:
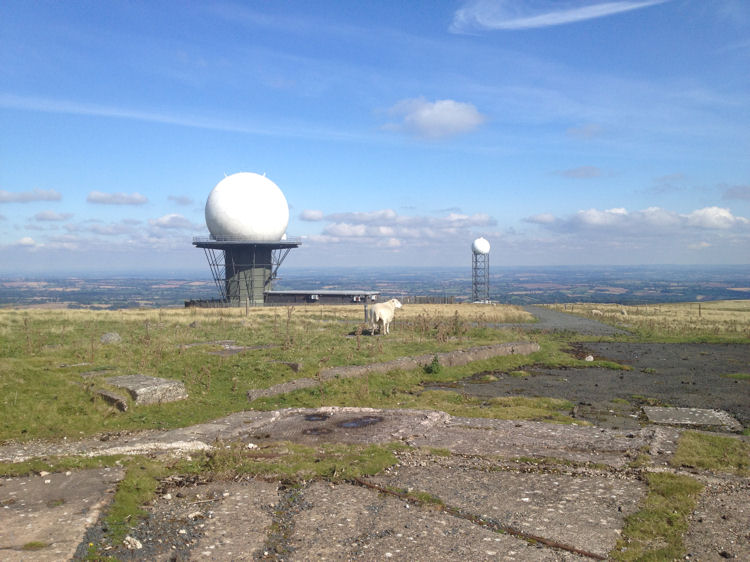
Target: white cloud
(435, 120)
(114, 229)
(658, 217)
(652, 221)
(714, 217)
(101, 198)
(385, 229)
(363, 217)
(26, 241)
(514, 15)
(391, 243)
(345, 230)
(173, 221)
(52, 216)
(311, 215)
(29, 196)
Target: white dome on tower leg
(480, 246)
(247, 206)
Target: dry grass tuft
(728, 320)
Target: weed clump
(655, 531)
(712, 452)
(433, 368)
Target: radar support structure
(480, 277)
(243, 269)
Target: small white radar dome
(480, 246)
(247, 206)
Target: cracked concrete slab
(150, 390)
(459, 435)
(418, 428)
(347, 522)
(49, 513)
(583, 513)
(509, 439)
(239, 523)
(692, 417)
(720, 524)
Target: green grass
(138, 487)
(43, 355)
(399, 389)
(738, 376)
(712, 452)
(34, 545)
(654, 533)
(294, 462)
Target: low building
(320, 297)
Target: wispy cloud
(582, 172)
(175, 222)
(588, 131)
(234, 125)
(311, 215)
(531, 14)
(434, 119)
(181, 200)
(29, 196)
(737, 192)
(101, 198)
(51, 216)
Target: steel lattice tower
(243, 270)
(480, 277)
(480, 270)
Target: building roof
(327, 292)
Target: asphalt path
(553, 320)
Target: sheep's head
(396, 303)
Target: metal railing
(245, 240)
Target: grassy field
(52, 362)
(715, 321)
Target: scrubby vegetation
(715, 321)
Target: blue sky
(564, 132)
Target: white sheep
(382, 314)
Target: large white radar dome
(247, 206)
(480, 246)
